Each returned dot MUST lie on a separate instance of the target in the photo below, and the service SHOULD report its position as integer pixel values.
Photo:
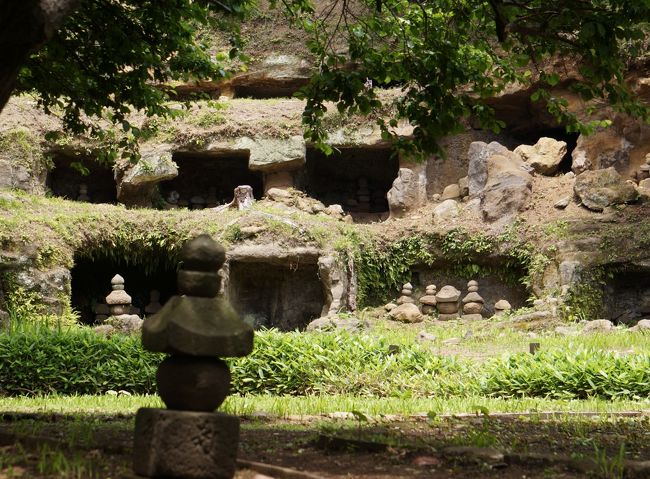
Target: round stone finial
(117, 282)
(202, 257)
(472, 283)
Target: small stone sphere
(190, 383)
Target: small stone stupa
(428, 301)
(447, 303)
(473, 303)
(83, 193)
(407, 293)
(120, 309)
(188, 440)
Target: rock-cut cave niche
(492, 287)
(81, 179)
(286, 297)
(209, 179)
(91, 283)
(356, 178)
(626, 296)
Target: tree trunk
(24, 27)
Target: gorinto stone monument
(190, 440)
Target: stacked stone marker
(428, 301)
(407, 293)
(189, 440)
(473, 303)
(447, 302)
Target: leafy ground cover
(382, 403)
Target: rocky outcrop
(478, 155)
(137, 184)
(271, 155)
(544, 156)
(409, 191)
(599, 189)
(601, 150)
(507, 188)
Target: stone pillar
(188, 440)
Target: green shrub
(577, 374)
(38, 361)
(299, 363)
(41, 361)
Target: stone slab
(183, 444)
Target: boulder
(642, 325)
(330, 323)
(478, 155)
(545, 156)
(598, 189)
(600, 150)
(407, 313)
(445, 211)
(507, 189)
(598, 325)
(451, 192)
(409, 191)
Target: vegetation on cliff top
(109, 58)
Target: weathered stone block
(183, 444)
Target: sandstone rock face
(478, 155)
(601, 150)
(407, 313)
(601, 188)
(445, 211)
(545, 156)
(270, 155)
(507, 189)
(137, 183)
(408, 192)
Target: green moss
(22, 148)
(584, 299)
(383, 268)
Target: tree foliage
(448, 56)
(111, 57)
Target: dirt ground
(504, 446)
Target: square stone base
(185, 444)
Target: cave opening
(559, 134)
(209, 179)
(267, 90)
(81, 179)
(493, 285)
(356, 178)
(286, 297)
(626, 295)
(91, 283)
